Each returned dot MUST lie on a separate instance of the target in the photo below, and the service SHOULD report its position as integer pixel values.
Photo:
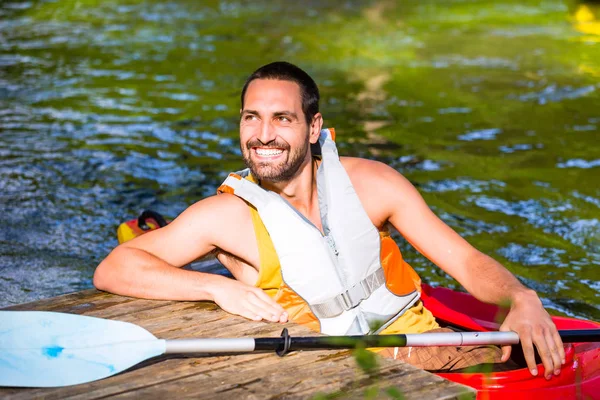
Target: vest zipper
(331, 244)
(334, 251)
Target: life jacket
(338, 273)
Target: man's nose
(267, 132)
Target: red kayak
(579, 377)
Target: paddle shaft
(350, 342)
(235, 345)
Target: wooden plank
(248, 376)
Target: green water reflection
(489, 108)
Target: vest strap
(351, 297)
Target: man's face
(274, 135)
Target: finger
(506, 350)
(249, 313)
(261, 310)
(559, 344)
(256, 313)
(265, 309)
(268, 299)
(275, 310)
(527, 346)
(544, 352)
(554, 352)
(282, 315)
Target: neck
(301, 190)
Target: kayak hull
(579, 377)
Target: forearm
(490, 282)
(137, 273)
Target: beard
(268, 171)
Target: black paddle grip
(282, 345)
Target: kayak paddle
(50, 349)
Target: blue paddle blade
(49, 349)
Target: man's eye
(284, 119)
(249, 117)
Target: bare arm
(481, 275)
(130, 271)
(149, 266)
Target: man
(270, 257)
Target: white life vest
(338, 273)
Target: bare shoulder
(381, 189)
(372, 173)
(213, 222)
(220, 213)
(222, 206)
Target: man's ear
(315, 128)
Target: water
(490, 108)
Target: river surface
(491, 108)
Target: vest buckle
(366, 288)
(354, 296)
(346, 300)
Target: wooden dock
(307, 374)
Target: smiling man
(304, 233)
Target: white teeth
(268, 152)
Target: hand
(250, 302)
(531, 321)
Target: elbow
(101, 279)
(118, 272)
(106, 276)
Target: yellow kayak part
(146, 222)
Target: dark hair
(284, 71)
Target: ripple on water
(63, 114)
(532, 210)
(584, 128)
(592, 284)
(461, 184)
(555, 93)
(20, 270)
(411, 162)
(545, 215)
(454, 110)
(572, 307)
(579, 163)
(469, 227)
(481, 134)
(582, 232)
(9, 60)
(166, 172)
(524, 31)
(520, 147)
(480, 62)
(532, 255)
(589, 199)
